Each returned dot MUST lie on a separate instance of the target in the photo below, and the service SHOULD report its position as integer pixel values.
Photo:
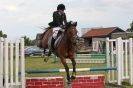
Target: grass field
(38, 63)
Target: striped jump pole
(63, 70)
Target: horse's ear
(75, 23)
(68, 24)
(71, 23)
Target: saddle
(54, 43)
(58, 40)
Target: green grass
(38, 63)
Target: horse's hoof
(73, 77)
(45, 60)
(69, 82)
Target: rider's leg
(52, 43)
(55, 33)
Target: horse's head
(72, 31)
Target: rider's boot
(52, 43)
(52, 46)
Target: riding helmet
(61, 7)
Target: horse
(66, 48)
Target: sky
(27, 17)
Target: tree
(28, 41)
(1, 33)
(131, 28)
(4, 36)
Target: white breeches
(55, 31)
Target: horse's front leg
(63, 60)
(74, 69)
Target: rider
(59, 21)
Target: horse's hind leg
(74, 69)
(45, 56)
(63, 60)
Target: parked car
(33, 51)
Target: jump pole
(63, 70)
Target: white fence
(11, 63)
(119, 54)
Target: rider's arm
(56, 18)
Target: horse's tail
(39, 37)
(39, 40)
